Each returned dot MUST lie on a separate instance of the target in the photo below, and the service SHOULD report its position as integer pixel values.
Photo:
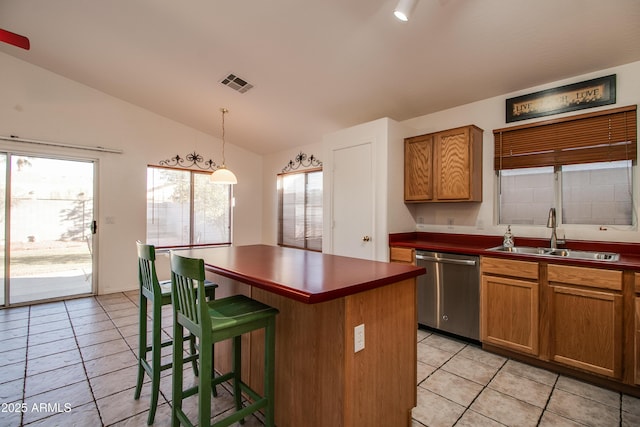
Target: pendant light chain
(222, 175)
(224, 111)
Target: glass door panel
(3, 198)
(51, 213)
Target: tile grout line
(444, 363)
(107, 312)
(548, 400)
(84, 368)
(26, 365)
(484, 387)
(620, 412)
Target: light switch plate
(358, 338)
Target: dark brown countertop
(478, 244)
(305, 276)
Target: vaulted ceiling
(317, 66)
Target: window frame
(591, 138)
(280, 207)
(192, 173)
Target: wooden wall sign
(576, 96)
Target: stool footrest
(235, 417)
(182, 417)
(242, 413)
(147, 366)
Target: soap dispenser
(507, 241)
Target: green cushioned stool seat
(211, 322)
(157, 294)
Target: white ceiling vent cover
(236, 83)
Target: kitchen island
(320, 379)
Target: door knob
(366, 238)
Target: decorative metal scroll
(192, 159)
(302, 160)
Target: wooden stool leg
(214, 389)
(192, 351)
(156, 358)
(176, 384)
(204, 384)
(237, 371)
(142, 343)
(269, 370)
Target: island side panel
(380, 386)
(309, 361)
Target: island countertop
(305, 276)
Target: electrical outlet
(358, 338)
(450, 223)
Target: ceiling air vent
(236, 83)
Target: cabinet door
(403, 255)
(452, 164)
(418, 158)
(637, 338)
(637, 329)
(586, 329)
(510, 313)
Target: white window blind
(300, 209)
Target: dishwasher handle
(446, 260)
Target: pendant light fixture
(222, 175)
(404, 9)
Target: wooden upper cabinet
(444, 166)
(418, 168)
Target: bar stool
(158, 294)
(211, 322)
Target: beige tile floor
(72, 363)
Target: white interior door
(353, 201)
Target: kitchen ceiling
(317, 66)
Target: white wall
(37, 104)
(391, 214)
(489, 114)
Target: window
(582, 165)
(526, 195)
(300, 210)
(185, 208)
(597, 193)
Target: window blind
(300, 209)
(601, 136)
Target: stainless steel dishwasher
(449, 293)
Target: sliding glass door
(3, 224)
(48, 226)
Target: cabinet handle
(366, 238)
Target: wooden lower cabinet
(637, 355)
(637, 328)
(403, 255)
(586, 327)
(509, 305)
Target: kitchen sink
(560, 253)
(521, 250)
(570, 253)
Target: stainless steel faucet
(553, 224)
